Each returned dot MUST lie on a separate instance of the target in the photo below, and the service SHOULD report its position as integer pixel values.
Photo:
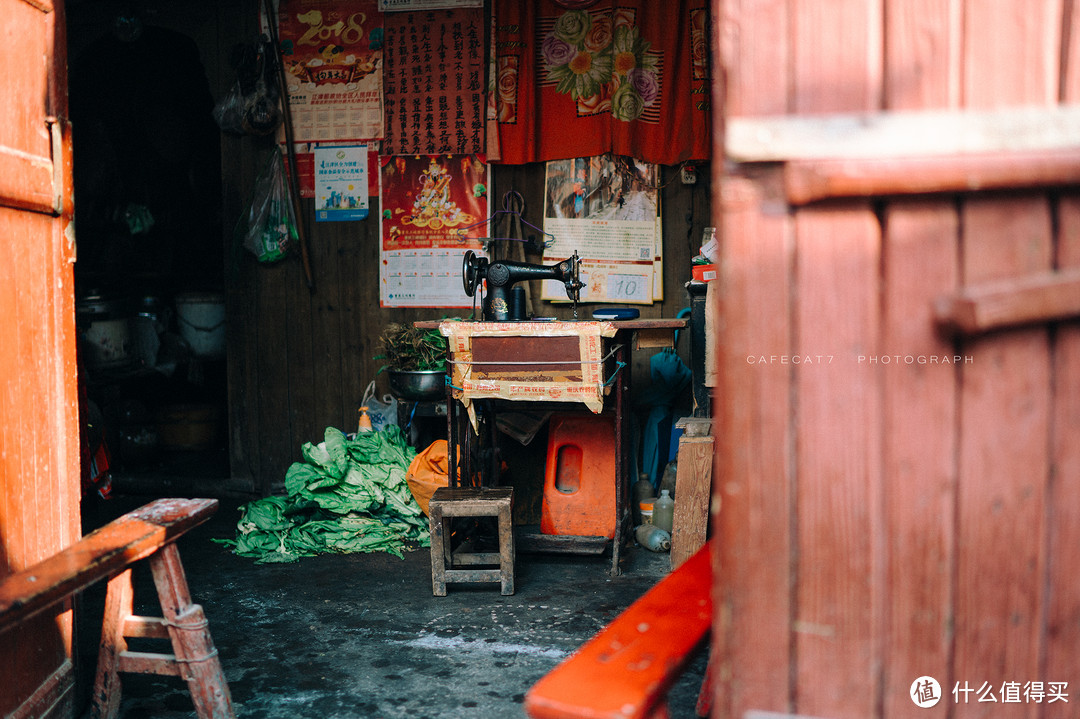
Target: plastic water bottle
(653, 538)
(664, 511)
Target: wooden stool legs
(446, 564)
(194, 657)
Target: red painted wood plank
(837, 51)
(26, 181)
(806, 181)
(752, 638)
(1063, 594)
(839, 596)
(624, 671)
(919, 407)
(840, 592)
(922, 52)
(1011, 52)
(1032, 300)
(920, 260)
(755, 55)
(1011, 56)
(1003, 465)
(39, 461)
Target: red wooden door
(896, 501)
(39, 427)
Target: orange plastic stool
(579, 482)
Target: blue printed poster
(341, 183)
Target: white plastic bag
(382, 413)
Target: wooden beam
(917, 133)
(806, 181)
(1044, 297)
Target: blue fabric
(670, 376)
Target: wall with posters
(299, 359)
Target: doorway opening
(149, 278)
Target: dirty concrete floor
(343, 636)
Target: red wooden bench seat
(626, 670)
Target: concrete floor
(342, 636)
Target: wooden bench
(150, 533)
(626, 670)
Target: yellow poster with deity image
(434, 207)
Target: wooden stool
(194, 657)
(469, 502)
(149, 532)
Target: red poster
(628, 78)
(333, 56)
(433, 209)
(433, 82)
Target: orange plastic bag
(428, 471)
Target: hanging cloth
(628, 78)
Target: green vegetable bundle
(408, 348)
(348, 495)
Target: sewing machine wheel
(471, 271)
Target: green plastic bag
(268, 229)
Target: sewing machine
(498, 305)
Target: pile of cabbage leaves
(348, 495)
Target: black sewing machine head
(502, 274)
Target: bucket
(104, 331)
(201, 318)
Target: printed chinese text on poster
(433, 82)
(427, 203)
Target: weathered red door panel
(39, 429)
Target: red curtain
(628, 77)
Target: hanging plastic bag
(382, 413)
(252, 105)
(268, 228)
(229, 111)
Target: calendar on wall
(608, 210)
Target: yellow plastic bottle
(364, 424)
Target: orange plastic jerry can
(579, 481)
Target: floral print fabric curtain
(578, 79)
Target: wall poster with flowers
(579, 78)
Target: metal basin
(418, 385)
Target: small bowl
(418, 385)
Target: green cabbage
(348, 495)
